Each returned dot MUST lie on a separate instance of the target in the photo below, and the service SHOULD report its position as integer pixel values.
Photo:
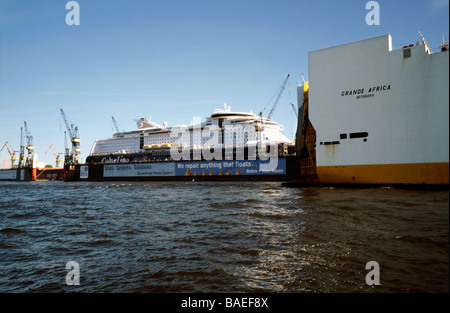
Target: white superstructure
(221, 129)
(380, 115)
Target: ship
(227, 145)
(373, 115)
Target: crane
(295, 111)
(22, 150)
(12, 153)
(115, 125)
(56, 154)
(74, 138)
(30, 146)
(66, 149)
(278, 93)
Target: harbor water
(176, 237)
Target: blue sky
(173, 60)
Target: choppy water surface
(220, 237)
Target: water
(220, 237)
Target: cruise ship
(230, 144)
(222, 129)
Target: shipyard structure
(369, 115)
(28, 167)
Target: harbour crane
(115, 125)
(22, 150)
(66, 149)
(11, 152)
(56, 154)
(75, 139)
(295, 111)
(277, 99)
(30, 146)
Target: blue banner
(139, 170)
(232, 167)
(272, 166)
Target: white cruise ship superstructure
(224, 128)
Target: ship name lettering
(360, 91)
(380, 88)
(352, 92)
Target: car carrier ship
(372, 115)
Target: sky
(174, 60)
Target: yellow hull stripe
(413, 173)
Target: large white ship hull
(381, 116)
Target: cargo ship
(372, 115)
(228, 145)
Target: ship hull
(24, 174)
(386, 174)
(225, 170)
(380, 116)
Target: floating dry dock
(32, 174)
(216, 170)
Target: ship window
(406, 53)
(343, 136)
(359, 135)
(326, 143)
